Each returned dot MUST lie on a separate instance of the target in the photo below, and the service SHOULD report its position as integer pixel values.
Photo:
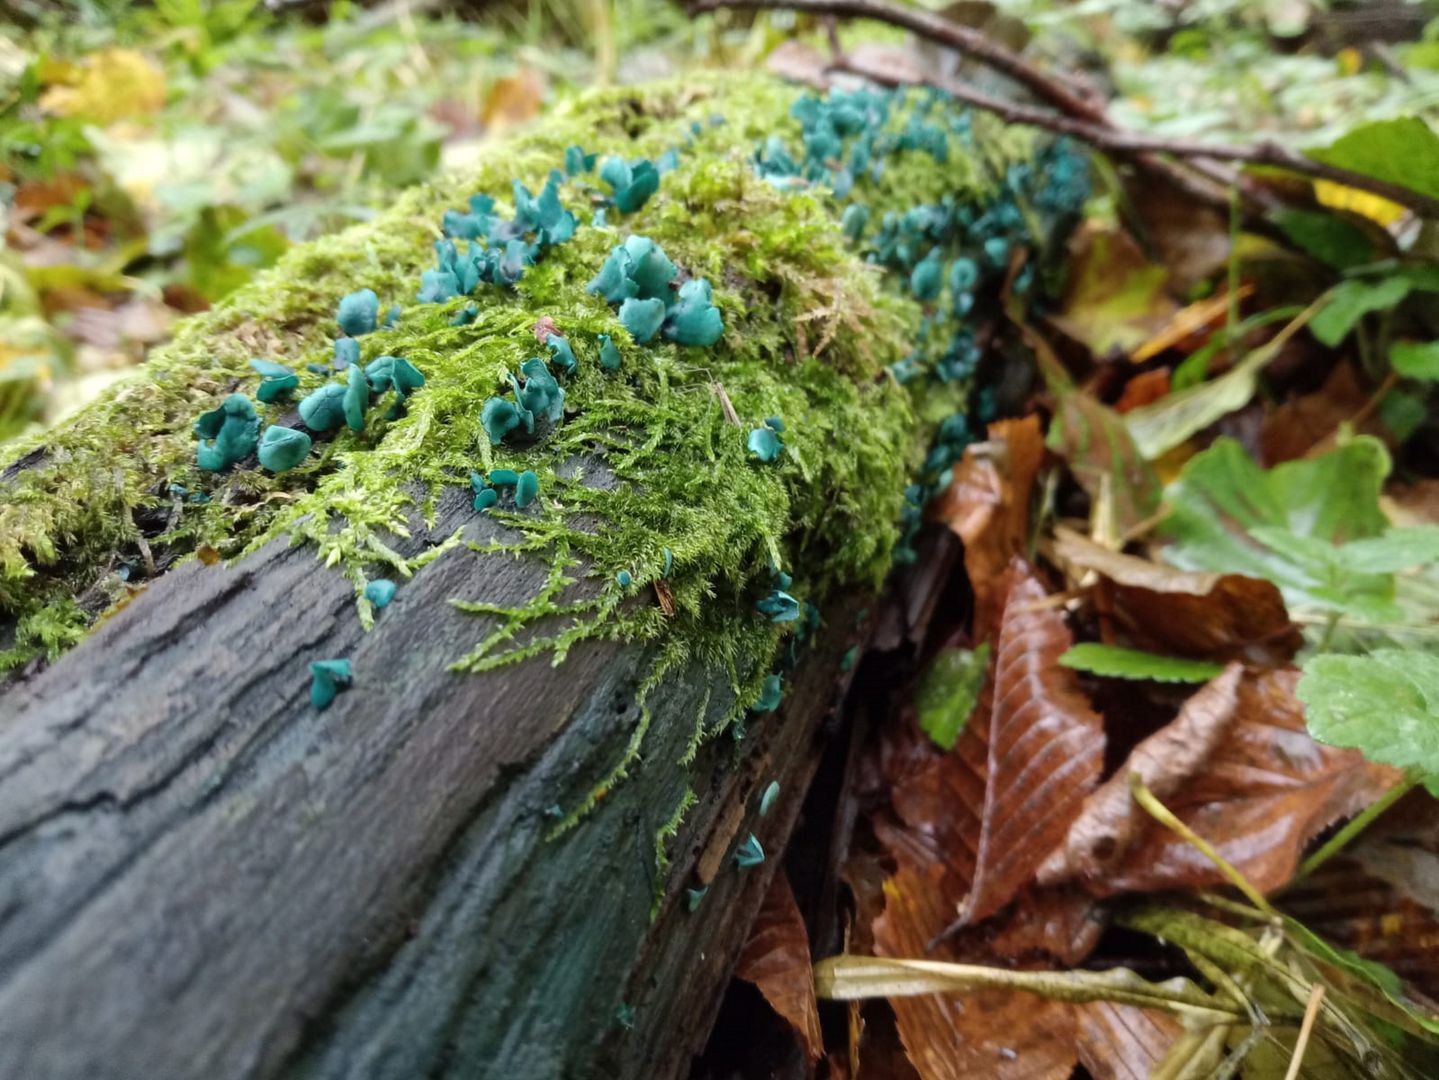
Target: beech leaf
(776, 960)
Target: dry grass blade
(844, 978)
(1109, 821)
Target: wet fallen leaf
(1059, 926)
(987, 505)
(1123, 1042)
(1144, 388)
(1165, 761)
(1188, 321)
(1116, 298)
(1295, 428)
(1094, 441)
(989, 1033)
(1266, 791)
(1045, 749)
(776, 960)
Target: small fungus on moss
(527, 488)
(541, 394)
(227, 434)
(504, 477)
(764, 444)
(276, 380)
(358, 312)
(323, 409)
(485, 499)
(851, 655)
(437, 286)
(669, 562)
(774, 423)
(380, 592)
(780, 606)
(632, 182)
(770, 695)
(282, 448)
(693, 320)
(561, 353)
(347, 352)
(387, 372)
(927, 277)
(609, 353)
(749, 853)
(694, 896)
(500, 417)
(856, 217)
(767, 800)
(356, 398)
(466, 315)
(577, 161)
(642, 318)
(623, 579)
(327, 679)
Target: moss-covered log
(481, 858)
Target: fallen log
(522, 840)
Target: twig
(1311, 1011)
(1080, 114)
(1119, 140)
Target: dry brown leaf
(1101, 454)
(1188, 321)
(513, 100)
(1045, 749)
(776, 959)
(988, 1035)
(1049, 925)
(1266, 791)
(1298, 427)
(1116, 298)
(1213, 616)
(1144, 389)
(1107, 824)
(1122, 1042)
(987, 505)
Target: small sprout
(282, 448)
(623, 579)
(561, 352)
(927, 277)
(356, 398)
(694, 896)
(527, 488)
(609, 353)
(632, 182)
(856, 217)
(466, 315)
(324, 409)
(764, 444)
(358, 312)
(694, 320)
(347, 352)
(770, 695)
(327, 679)
(380, 592)
(780, 606)
(577, 161)
(847, 661)
(227, 434)
(774, 423)
(276, 380)
(749, 853)
(504, 477)
(485, 499)
(642, 318)
(767, 800)
(669, 563)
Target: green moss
(645, 461)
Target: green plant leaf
(946, 696)
(1416, 360)
(1114, 662)
(1290, 525)
(1351, 301)
(1403, 151)
(1385, 705)
(1331, 238)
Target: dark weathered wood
(202, 876)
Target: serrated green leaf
(946, 696)
(1403, 151)
(1351, 301)
(1385, 705)
(1114, 662)
(1416, 360)
(1287, 524)
(1396, 549)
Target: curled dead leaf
(776, 960)
(1109, 820)
(1265, 792)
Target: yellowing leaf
(107, 86)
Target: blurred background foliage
(155, 156)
